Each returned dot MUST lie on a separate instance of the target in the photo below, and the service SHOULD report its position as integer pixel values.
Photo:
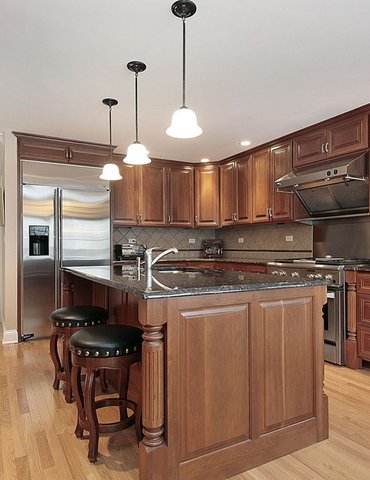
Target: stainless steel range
(333, 270)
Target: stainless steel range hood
(338, 188)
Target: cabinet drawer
(363, 309)
(363, 283)
(364, 342)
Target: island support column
(152, 449)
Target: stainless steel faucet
(149, 262)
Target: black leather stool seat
(79, 316)
(106, 341)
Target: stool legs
(62, 369)
(87, 405)
(56, 361)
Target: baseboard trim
(10, 336)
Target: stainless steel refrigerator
(66, 222)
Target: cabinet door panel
(243, 191)
(46, 150)
(181, 196)
(85, 154)
(125, 198)
(207, 205)
(348, 136)
(227, 194)
(363, 309)
(281, 162)
(152, 202)
(262, 187)
(363, 283)
(309, 148)
(364, 343)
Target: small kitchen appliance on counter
(212, 248)
(128, 251)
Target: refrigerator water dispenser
(38, 240)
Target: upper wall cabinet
(236, 192)
(207, 196)
(33, 147)
(181, 196)
(268, 165)
(140, 198)
(340, 138)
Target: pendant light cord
(183, 61)
(110, 133)
(136, 114)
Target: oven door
(334, 326)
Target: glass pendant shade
(137, 154)
(184, 124)
(110, 172)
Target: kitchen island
(232, 364)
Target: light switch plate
(289, 238)
(132, 241)
(191, 240)
(240, 240)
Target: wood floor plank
(37, 440)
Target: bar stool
(113, 347)
(65, 322)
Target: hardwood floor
(37, 439)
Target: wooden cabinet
(363, 315)
(267, 165)
(140, 198)
(45, 149)
(235, 192)
(281, 164)
(181, 196)
(207, 196)
(339, 138)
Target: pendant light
(184, 121)
(137, 154)
(110, 170)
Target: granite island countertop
(167, 281)
(203, 260)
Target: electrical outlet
(191, 240)
(240, 240)
(132, 241)
(289, 238)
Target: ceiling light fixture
(204, 160)
(245, 143)
(137, 154)
(184, 121)
(110, 170)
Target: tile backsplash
(264, 242)
(166, 238)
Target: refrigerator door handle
(57, 244)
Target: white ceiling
(256, 69)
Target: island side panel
(222, 381)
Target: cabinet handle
(270, 212)
(169, 218)
(327, 147)
(137, 218)
(70, 154)
(323, 148)
(196, 218)
(236, 217)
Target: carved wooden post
(153, 386)
(351, 360)
(67, 291)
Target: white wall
(2, 140)
(9, 267)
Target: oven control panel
(333, 277)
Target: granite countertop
(180, 282)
